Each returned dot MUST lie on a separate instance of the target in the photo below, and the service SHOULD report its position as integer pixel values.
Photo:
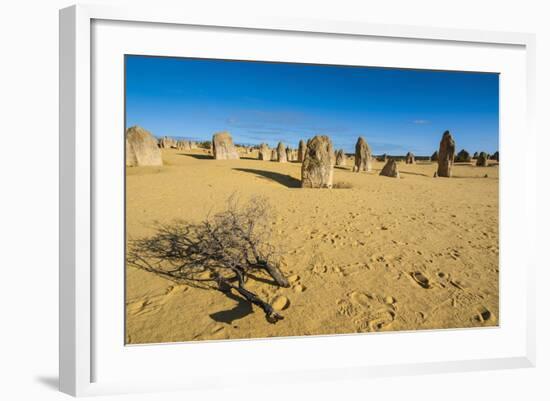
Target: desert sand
(377, 254)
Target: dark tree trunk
(275, 274)
(270, 314)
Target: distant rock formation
(435, 156)
(167, 142)
(463, 157)
(141, 148)
(318, 164)
(288, 152)
(482, 160)
(274, 156)
(409, 158)
(446, 155)
(301, 151)
(264, 152)
(495, 156)
(183, 145)
(363, 156)
(476, 155)
(281, 153)
(390, 169)
(223, 147)
(340, 158)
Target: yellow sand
(352, 254)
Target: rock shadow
(283, 179)
(197, 156)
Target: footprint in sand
(345, 308)
(371, 312)
(293, 278)
(360, 298)
(421, 279)
(460, 284)
(144, 307)
(483, 315)
(376, 321)
(154, 303)
(216, 329)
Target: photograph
(276, 199)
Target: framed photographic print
(337, 198)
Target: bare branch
(226, 246)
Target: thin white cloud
(421, 121)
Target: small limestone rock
(280, 303)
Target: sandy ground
(357, 256)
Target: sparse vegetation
(463, 157)
(220, 253)
(204, 144)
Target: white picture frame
(77, 369)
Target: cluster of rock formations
(186, 145)
(317, 156)
(291, 154)
(166, 142)
(170, 143)
(264, 153)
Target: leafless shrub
(219, 253)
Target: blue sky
(396, 110)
